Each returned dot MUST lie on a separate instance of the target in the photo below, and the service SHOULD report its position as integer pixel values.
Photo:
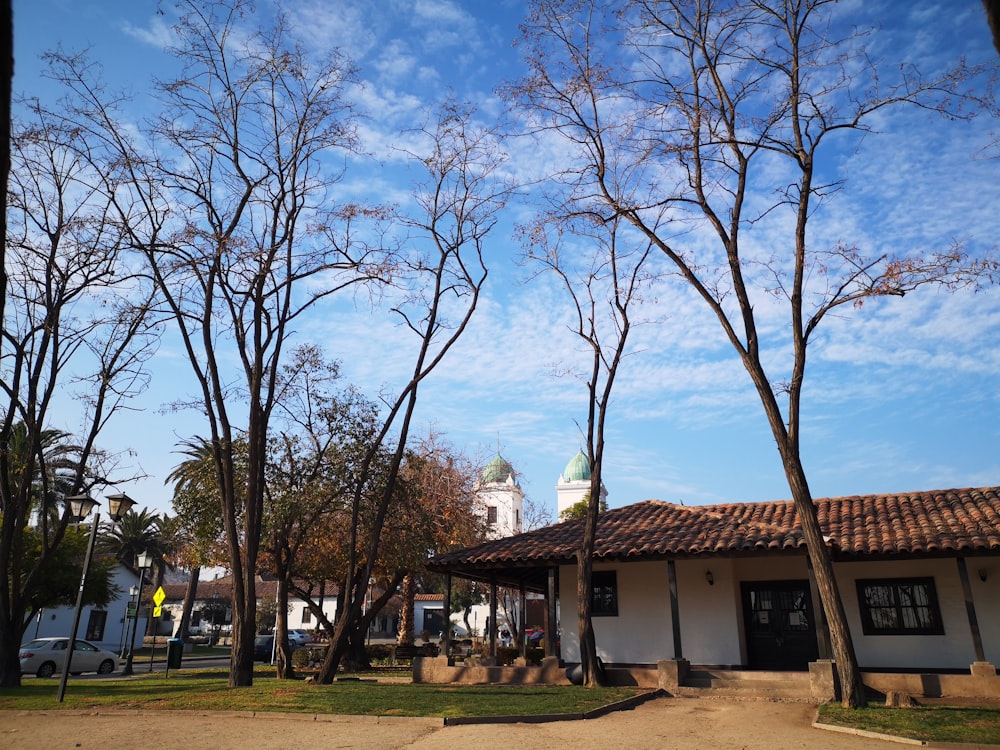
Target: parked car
(263, 648)
(299, 638)
(46, 656)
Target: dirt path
(666, 724)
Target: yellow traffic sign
(157, 611)
(158, 598)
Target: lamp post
(143, 562)
(130, 615)
(80, 507)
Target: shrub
(506, 655)
(307, 657)
(379, 653)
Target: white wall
(954, 649)
(712, 620)
(56, 623)
(640, 634)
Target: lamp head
(80, 506)
(119, 505)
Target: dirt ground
(665, 724)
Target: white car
(299, 638)
(46, 656)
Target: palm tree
(198, 519)
(134, 534)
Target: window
(95, 625)
(604, 588)
(491, 515)
(306, 615)
(899, 606)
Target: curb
(904, 740)
(622, 705)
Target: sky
(902, 394)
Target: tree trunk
(190, 594)
(285, 665)
(593, 671)
(10, 663)
(404, 636)
(851, 684)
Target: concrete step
(797, 694)
(768, 685)
(749, 675)
(745, 684)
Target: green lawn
(927, 723)
(203, 690)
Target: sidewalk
(665, 724)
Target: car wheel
(46, 670)
(107, 667)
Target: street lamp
(143, 562)
(130, 612)
(80, 506)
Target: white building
(574, 484)
(103, 626)
(501, 498)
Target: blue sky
(902, 394)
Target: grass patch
(208, 691)
(927, 723)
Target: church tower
(574, 483)
(501, 498)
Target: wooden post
(521, 617)
(447, 617)
(970, 610)
(675, 615)
(493, 617)
(550, 614)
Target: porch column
(521, 616)
(447, 617)
(822, 628)
(970, 609)
(493, 616)
(675, 615)
(550, 614)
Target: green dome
(578, 469)
(497, 470)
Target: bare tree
(321, 437)
(77, 327)
(456, 207)
(683, 117)
(229, 200)
(604, 275)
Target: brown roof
(265, 588)
(915, 523)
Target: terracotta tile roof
(938, 521)
(265, 588)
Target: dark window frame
(96, 624)
(920, 617)
(491, 515)
(604, 593)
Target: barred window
(899, 606)
(604, 588)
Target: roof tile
(916, 522)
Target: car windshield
(261, 640)
(36, 644)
